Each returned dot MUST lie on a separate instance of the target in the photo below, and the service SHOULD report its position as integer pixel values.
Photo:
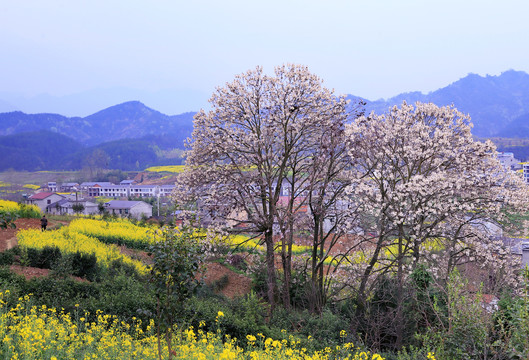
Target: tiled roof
(40, 195)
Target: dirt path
(237, 285)
(8, 237)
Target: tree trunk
(270, 266)
(314, 268)
(400, 292)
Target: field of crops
(167, 168)
(117, 231)
(31, 332)
(20, 210)
(69, 241)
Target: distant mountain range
(498, 106)
(128, 136)
(128, 120)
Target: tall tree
(419, 175)
(244, 150)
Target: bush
(84, 265)
(125, 297)
(324, 329)
(7, 257)
(122, 295)
(237, 261)
(43, 258)
(119, 267)
(29, 211)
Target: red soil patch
(29, 272)
(8, 237)
(237, 285)
(142, 256)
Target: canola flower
(22, 210)
(120, 231)
(71, 242)
(31, 186)
(31, 332)
(167, 168)
(243, 242)
(246, 243)
(8, 206)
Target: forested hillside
(46, 150)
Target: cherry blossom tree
(261, 133)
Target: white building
(133, 209)
(507, 160)
(44, 199)
(66, 207)
(526, 172)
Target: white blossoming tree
(262, 133)
(418, 176)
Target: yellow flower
(220, 314)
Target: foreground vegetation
(119, 307)
(31, 332)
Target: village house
(507, 160)
(115, 191)
(44, 199)
(66, 207)
(127, 182)
(133, 209)
(52, 186)
(69, 187)
(526, 172)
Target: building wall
(526, 172)
(140, 209)
(42, 204)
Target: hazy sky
(370, 48)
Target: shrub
(84, 265)
(7, 257)
(43, 258)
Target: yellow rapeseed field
(31, 186)
(8, 206)
(69, 241)
(20, 210)
(168, 168)
(118, 231)
(30, 332)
